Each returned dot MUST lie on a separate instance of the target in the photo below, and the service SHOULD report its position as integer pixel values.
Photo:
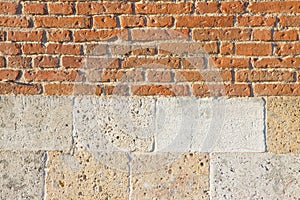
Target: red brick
(286, 49)
(134, 62)
(159, 34)
(274, 7)
(203, 75)
(132, 21)
(113, 75)
(160, 21)
(288, 62)
(286, 35)
(19, 88)
(262, 34)
(33, 48)
(166, 90)
(159, 76)
(50, 75)
(89, 8)
(164, 8)
(230, 62)
(264, 75)
(226, 48)
(59, 35)
(33, 36)
(298, 79)
(144, 50)
(13, 21)
(46, 62)
(204, 21)
(221, 34)
(35, 8)
(8, 74)
(253, 49)
(255, 21)
(8, 7)
(61, 8)
(208, 7)
(2, 61)
(203, 90)
(9, 48)
(100, 35)
(233, 7)
(66, 49)
(72, 62)
(277, 89)
(105, 22)
(62, 22)
(19, 62)
(59, 89)
(289, 21)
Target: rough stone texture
(114, 124)
(283, 124)
(35, 123)
(84, 176)
(254, 176)
(21, 175)
(181, 176)
(207, 125)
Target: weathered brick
(101, 63)
(2, 35)
(189, 48)
(111, 75)
(160, 21)
(253, 49)
(255, 21)
(62, 22)
(226, 48)
(275, 7)
(22, 36)
(287, 62)
(221, 34)
(277, 89)
(135, 62)
(204, 21)
(99, 35)
(36, 8)
(164, 8)
(2, 62)
(9, 48)
(286, 35)
(72, 61)
(237, 90)
(59, 35)
(60, 8)
(203, 75)
(264, 76)
(230, 62)
(50, 75)
(262, 34)
(33, 48)
(233, 7)
(105, 22)
(90, 8)
(66, 49)
(8, 7)
(58, 89)
(8, 74)
(159, 76)
(19, 88)
(293, 21)
(165, 90)
(287, 49)
(132, 21)
(207, 7)
(46, 62)
(14, 21)
(19, 62)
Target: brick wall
(149, 99)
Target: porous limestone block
(35, 123)
(283, 124)
(254, 176)
(86, 176)
(170, 176)
(21, 175)
(114, 123)
(210, 125)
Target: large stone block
(254, 176)
(22, 175)
(35, 123)
(283, 124)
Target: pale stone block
(170, 176)
(283, 124)
(210, 125)
(84, 176)
(35, 123)
(254, 176)
(22, 175)
(115, 124)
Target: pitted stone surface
(35, 123)
(21, 175)
(83, 176)
(283, 124)
(115, 124)
(210, 125)
(254, 176)
(181, 176)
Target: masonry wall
(149, 99)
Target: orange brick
(203, 75)
(19, 62)
(2, 62)
(159, 34)
(46, 62)
(9, 48)
(12, 21)
(205, 90)
(132, 21)
(286, 49)
(33, 48)
(67, 49)
(72, 62)
(233, 7)
(8, 7)
(116, 76)
(288, 62)
(230, 62)
(274, 7)
(50, 75)
(60, 8)
(36, 8)
(89, 8)
(134, 62)
(286, 35)
(33, 36)
(100, 35)
(255, 21)
(207, 7)
(289, 21)
(264, 75)
(105, 22)
(204, 21)
(118, 90)
(159, 76)
(276, 89)
(221, 34)
(8, 74)
(59, 89)
(2, 35)
(164, 8)
(166, 90)
(226, 48)
(62, 22)
(59, 35)
(253, 49)
(160, 21)
(262, 34)
(19, 88)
